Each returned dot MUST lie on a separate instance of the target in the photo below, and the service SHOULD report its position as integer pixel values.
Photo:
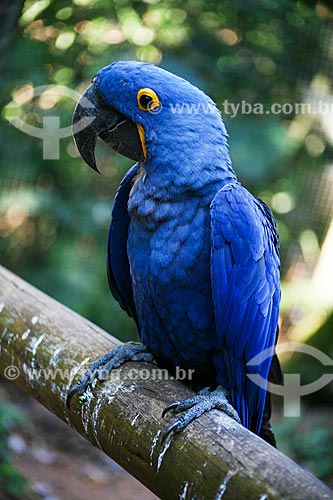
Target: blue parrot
(192, 256)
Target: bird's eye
(147, 100)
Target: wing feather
(118, 268)
(246, 294)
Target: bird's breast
(169, 255)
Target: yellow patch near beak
(142, 138)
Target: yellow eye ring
(147, 100)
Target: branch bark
(213, 458)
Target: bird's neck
(191, 163)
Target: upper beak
(92, 119)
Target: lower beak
(93, 119)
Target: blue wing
(245, 274)
(118, 268)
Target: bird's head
(140, 110)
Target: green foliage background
(54, 214)
(254, 51)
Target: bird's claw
(173, 429)
(79, 388)
(100, 369)
(170, 407)
(204, 401)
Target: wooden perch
(214, 457)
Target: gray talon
(204, 401)
(170, 407)
(131, 351)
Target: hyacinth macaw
(193, 257)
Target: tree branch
(213, 458)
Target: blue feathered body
(192, 255)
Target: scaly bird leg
(131, 351)
(204, 401)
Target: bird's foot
(100, 369)
(204, 401)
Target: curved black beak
(93, 119)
